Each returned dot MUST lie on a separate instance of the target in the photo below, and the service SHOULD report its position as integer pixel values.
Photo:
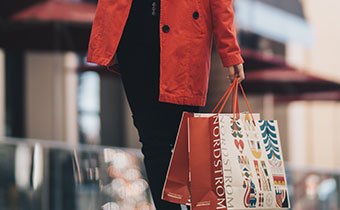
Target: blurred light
(132, 174)
(121, 161)
(326, 188)
(38, 166)
(146, 206)
(96, 173)
(23, 163)
(108, 154)
(122, 191)
(139, 186)
(76, 168)
(117, 184)
(127, 206)
(89, 106)
(273, 23)
(71, 60)
(110, 206)
(90, 125)
(312, 182)
(89, 92)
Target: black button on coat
(196, 15)
(166, 28)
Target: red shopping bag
(191, 179)
(176, 188)
(205, 164)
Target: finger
(240, 72)
(231, 72)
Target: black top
(143, 22)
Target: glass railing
(50, 175)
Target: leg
(156, 122)
(156, 162)
(157, 130)
(158, 133)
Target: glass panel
(44, 175)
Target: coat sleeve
(224, 32)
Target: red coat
(186, 31)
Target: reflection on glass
(326, 188)
(116, 175)
(38, 166)
(23, 162)
(27, 165)
(45, 175)
(126, 183)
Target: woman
(163, 49)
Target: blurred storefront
(49, 95)
(321, 117)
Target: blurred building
(321, 119)
(50, 91)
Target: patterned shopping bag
(253, 168)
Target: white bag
(253, 168)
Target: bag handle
(233, 88)
(224, 97)
(237, 104)
(247, 103)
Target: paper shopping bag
(223, 162)
(190, 178)
(176, 187)
(205, 164)
(253, 168)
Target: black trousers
(157, 123)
